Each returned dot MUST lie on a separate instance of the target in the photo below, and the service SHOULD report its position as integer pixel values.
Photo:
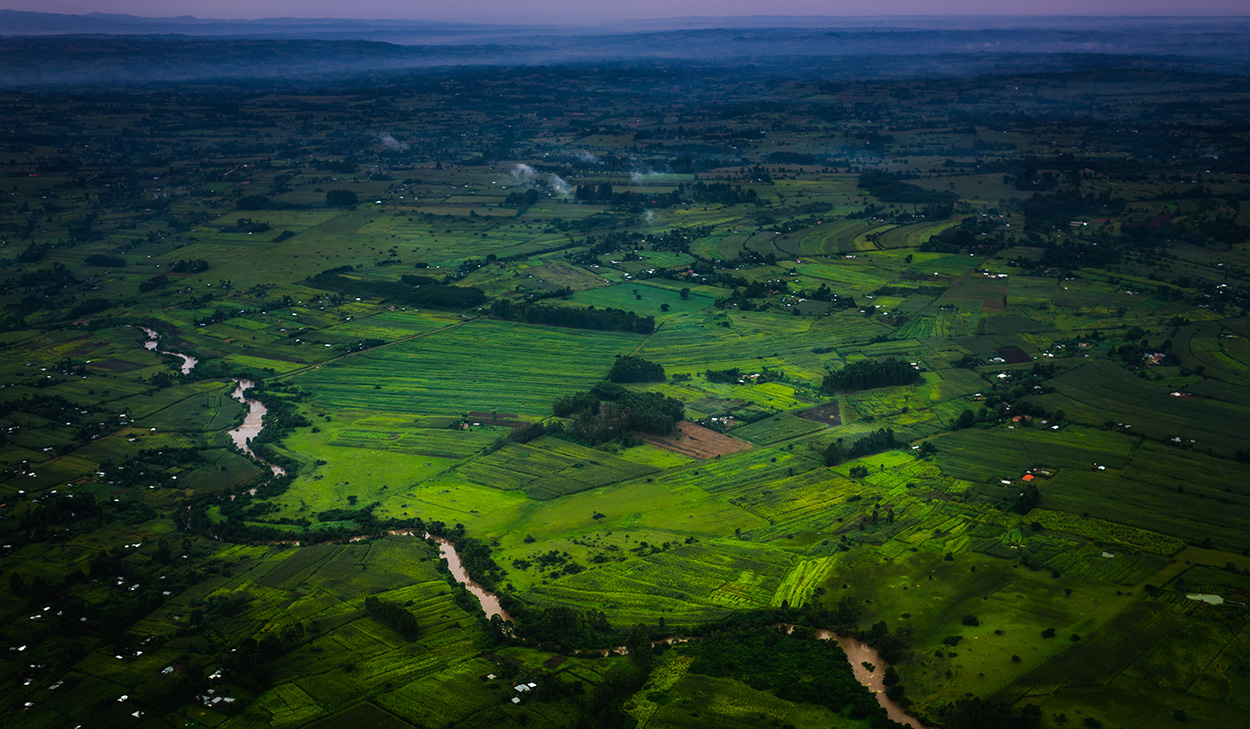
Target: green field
(965, 363)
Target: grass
(643, 300)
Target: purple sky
(592, 10)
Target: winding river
(489, 600)
(447, 550)
(188, 362)
(857, 652)
(253, 422)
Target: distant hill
(45, 48)
(18, 22)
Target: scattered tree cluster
(610, 411)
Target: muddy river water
(253, 422)
(447, 550)
(859, 652)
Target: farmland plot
(685, 583)
(523, 370)
(548, 468)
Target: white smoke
(638, 174)
(559, 186)
(391, 142)
(586, 157)
(523, 173)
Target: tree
(393, 616)
(341, 198)
(253, 202)
(869, 373)
(1029, 498)
(638, 644)
(631, 368)
(880, 440)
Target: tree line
(607, 320)
(410, 290)
(889, 187)
(870, 373)
(393, 616)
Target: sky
(609, 10)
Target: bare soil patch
(697, 442)
(827, 414)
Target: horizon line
(509, 19)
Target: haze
(581, 11)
